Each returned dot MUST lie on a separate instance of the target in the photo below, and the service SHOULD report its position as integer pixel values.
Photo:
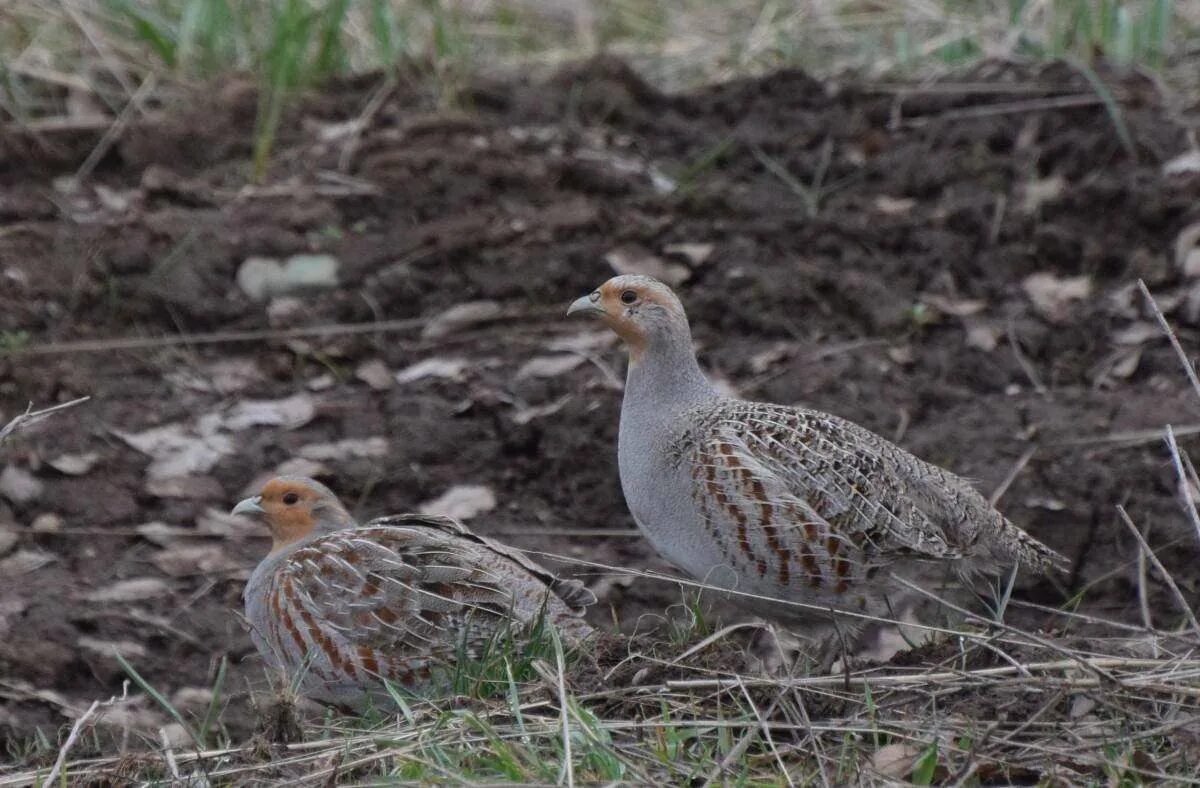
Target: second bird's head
(640, 309)
(294, 507)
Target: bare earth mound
(952, 266)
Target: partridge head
(293, 508)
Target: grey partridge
(343, 608)
(784, 504)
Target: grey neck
(666, 379)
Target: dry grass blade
(31, 417)
(1162, 570)
(1188, 368)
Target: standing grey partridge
(786, 504)
(342, 609)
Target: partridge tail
(1032, 554)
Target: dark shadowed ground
(953, 267)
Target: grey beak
(250, 507)
(588, 304)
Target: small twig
(1013, 473)
(31, 417)
(766, 730)
(1141, 540)
(69, 743)
(1024, 362)
(1185, 484)
(1166, 327)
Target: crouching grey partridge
(785, 504)
(342, 608)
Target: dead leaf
(74, 464)
(1183, 164)
(954, 307)
(8, 540)
(19, 485)
(461, 502)
(47, 523)
(375, 374)
(25, 561)
(288, 413)
(1126, 363)
(582, 342)
(696, 254)
(321, 383)
(459, 317)
(263, 277)
(219, 522)
(1052, 296)
(1039, 192)
(446, 368)
(1136, 334)
(763, 360)
(895, 760)
(983, 336)
(549, 366)
(225, 376)
(526, 415)
(179, 449)
(162, 534)
(105, 648)
(184, 560)
(1187, 250)
(894, 206)
(636, 260)
(133, 590)
(345, 449)
(192, 488)
(901, 354)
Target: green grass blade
(158, 698)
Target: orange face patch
(288, 511)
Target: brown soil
(925, 215)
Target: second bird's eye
(290, 498)
(628, 297)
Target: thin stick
(69, 743)
(1185, 484)
(1187, 609)
(1166, 327)
(31, 417)
(766, 731)
(1013, 473)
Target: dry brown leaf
(47, 523)
(179, 449)
(349, 448)
(1037, 193)
(955, 307)
(135, 589)
(636, 260)
(162, 534)
(1183, 164)
(549, 366)
(19, 485)
(288, 413)
(8, 540)
(192, 488)
(445, 368)
(23, 562)
(895, 760)
(696, 254)
(459, 317)
(983, 336)
(1052, 295)
(74, 464)
(1187, 250)
(462, 502)
(375, 374)
(184, 560)
(894, 206)
(532, 413)
(105, 648)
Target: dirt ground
(952, 266)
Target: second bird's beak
(588, 304)
(250, 507)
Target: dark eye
(628, 297)
(291, 498)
